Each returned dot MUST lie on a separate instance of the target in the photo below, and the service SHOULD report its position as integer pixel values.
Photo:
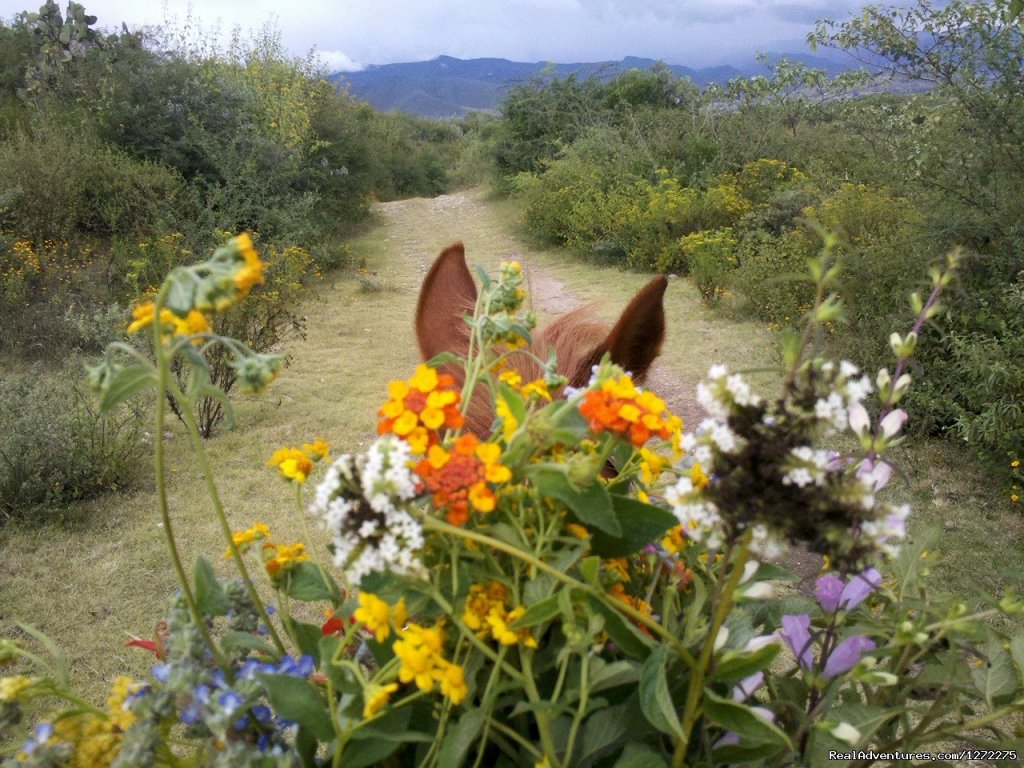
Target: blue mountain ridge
(445, 86)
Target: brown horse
(578, 339)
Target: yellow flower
(651, 465)
(509, 424)
(282, 557)
(318, 450)
(405, 423)
(243, 539)
(378, 616)
(1015, 463)
(251, 271)
(453, 682)
(481, 601)
(11, 688)
(577, 530)
(419, 650)
(482, 498)
(499, 622)
(536, 388)
(376, 698)
(293, 464)
(511, 378)
(424, 379)
(697, 476)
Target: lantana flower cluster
(421, 406)
(462, 477)
(615, 404)
(769, 474)
(365, 505)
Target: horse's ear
(636, 339)
(448, 293)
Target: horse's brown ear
(448, 293)
(636, 339)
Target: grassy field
(102, 574)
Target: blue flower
(846, 655)
(42, 734)
(160, 672)
(796, 632)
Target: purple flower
(746, 687)
(828, 590)
(796, 632)
(832, 594)
(846, 655)
(858, 588)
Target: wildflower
(459, 478)
(420, 651)
(376, 697)
(419, 407)
(293, 464)
(453, 682)
(318, 450)
(279, 558)
(378, 616)
(12, 688)
(796, 632)
(500, 630)
(363, 504)
(846, 655)
(243, 539)
(620, 407)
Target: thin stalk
(691, 709)
(218, 508)
(163, 376)
(540, 716)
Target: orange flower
(421, 407)
(619, 407)
(458, 479)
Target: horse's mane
(578, 338)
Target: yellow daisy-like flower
(282, 557)
(293, 464)
(482, 498)
(242, 539)
(376, 697)
(378, 616)
(318, 450)
(499, 622)
(251, 271)
(538, 389)
(651, 465)
(419, 650)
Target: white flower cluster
(849, 390)
(807, 466)
(722, 390)
(698, 517)
(361, 503)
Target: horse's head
(578, 339)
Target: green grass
(102, 574)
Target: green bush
(55, 446)
(711, 257)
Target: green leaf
(590, 567)
(601, 732)
(736, 665)
(296, 699)
(741, 720)
(308, 581)
(592, 505)
(640, 524)
(459, 739)
(737, 754)
(341, 676)
(611, 675)
(655, 699)
(181, 297)
(538, 613)
(444, 357)
(995, 680)
(640, 756)
(307, 637)
(126, 382)
(630, 639)
(209, 593)
(60, 661)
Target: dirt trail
(547, 284)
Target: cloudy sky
(353, 33)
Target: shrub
(56, 447)
(710, 257)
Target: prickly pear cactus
(57, 38)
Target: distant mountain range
(449, 87)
